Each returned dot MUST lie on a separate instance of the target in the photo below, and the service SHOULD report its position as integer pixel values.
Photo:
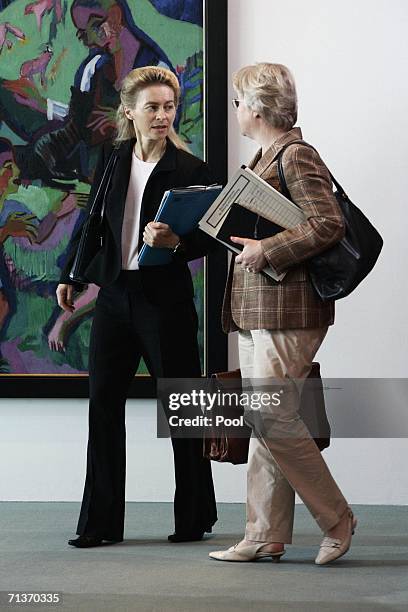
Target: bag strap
(281, 173)
(108, 182)
(106, 177)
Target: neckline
(142, 161)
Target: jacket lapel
(120, 180)
(115, 205)
(167, 163)
(252, 164)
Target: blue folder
(181, 209)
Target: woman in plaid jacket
(281, 326)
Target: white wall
(349, 60)
(43, 455)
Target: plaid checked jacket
(254, 301)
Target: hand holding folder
(181, 209)
(249, 207)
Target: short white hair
(269, 89)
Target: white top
(139, 175)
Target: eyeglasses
(235, 103)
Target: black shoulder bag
(92, 231)
(337, 271)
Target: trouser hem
(268, 536)
(325, 525)
(110, 537)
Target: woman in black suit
(147, 312)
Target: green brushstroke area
(198, 284)
(179, 40)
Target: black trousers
(126, 327)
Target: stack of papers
(250, 208)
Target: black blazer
(162, 284)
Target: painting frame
(215, 267)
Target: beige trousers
(286, 459)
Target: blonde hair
(269, 89)
(132, 84)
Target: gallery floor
(146, 573)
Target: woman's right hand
(251, 257)
(65, 297)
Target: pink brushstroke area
(62, 228)
(196, 266)
(26, 362)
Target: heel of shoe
(277, 558)
(354, 525)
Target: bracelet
(178, 247)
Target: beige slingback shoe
(246, 552)
(333, 548)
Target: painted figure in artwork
(116, 45)
(28, 232)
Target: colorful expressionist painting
(61, 67)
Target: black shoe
(193, 536)
(85, 541)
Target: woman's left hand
(251, 258)
(160, 235)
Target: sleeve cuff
(275, 255)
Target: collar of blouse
(261, 163)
